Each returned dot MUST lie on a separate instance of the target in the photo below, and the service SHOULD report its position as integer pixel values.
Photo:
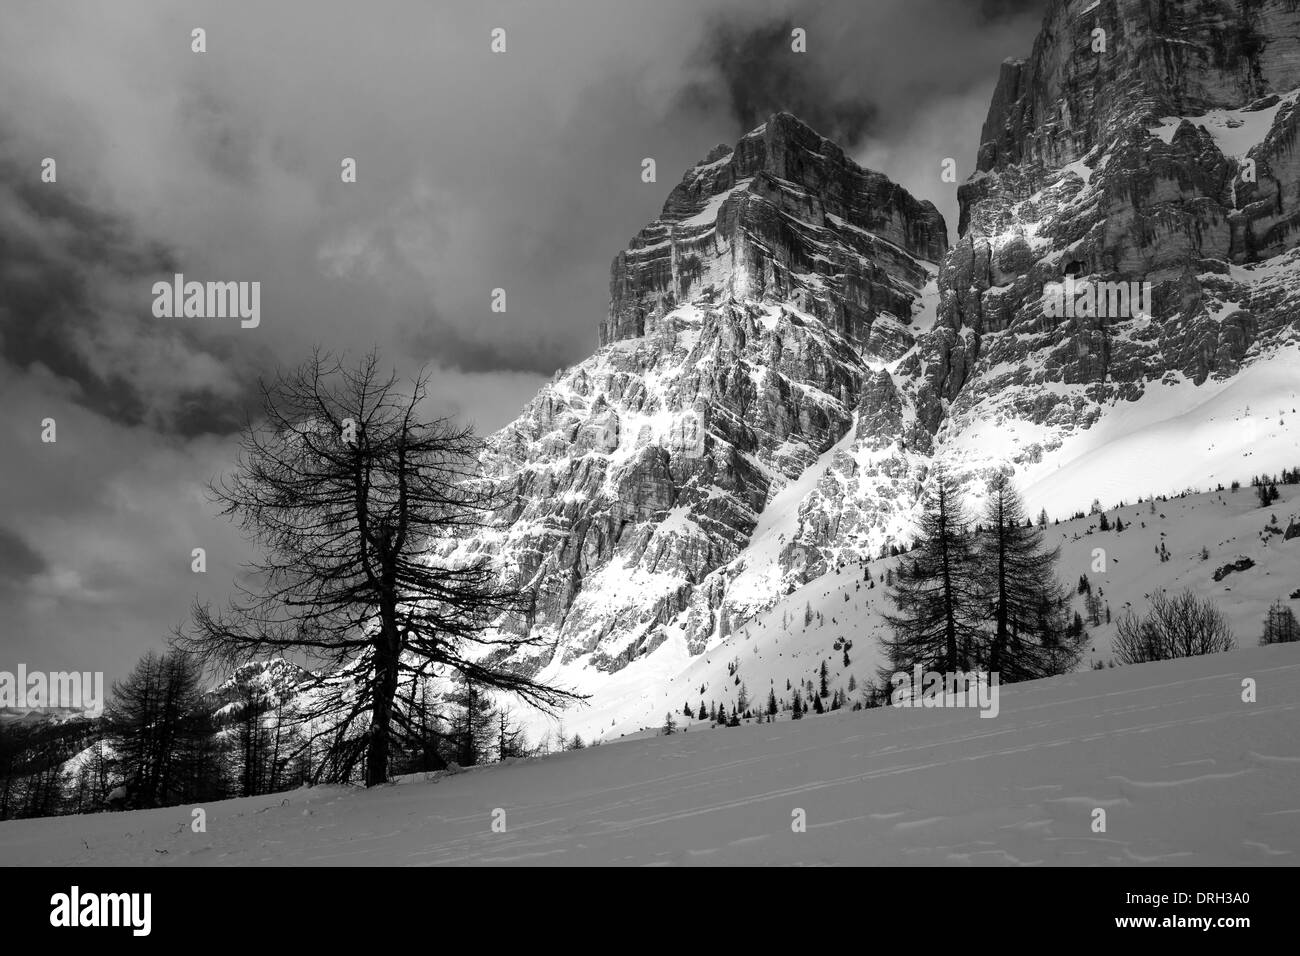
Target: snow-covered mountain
(266, 683)
(749, 334)
(791, 346)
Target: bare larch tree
(357, 503)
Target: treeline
(1288, 476)
(1266, 485)
(164, 740)
(804, 697)
(32, 758)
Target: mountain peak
(715, 154)
(785, 215)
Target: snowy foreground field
(1186, 772)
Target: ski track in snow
(883, 786)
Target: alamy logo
(56, 690)
(208, 300)
(102, 909)
(934, 689)
(1104, 300)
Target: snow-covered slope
(783, 645)
(1161, 748)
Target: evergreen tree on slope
(938, 605)
(1026, 602)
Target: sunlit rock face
(1141, 142)
(785, 216)
(747, 326)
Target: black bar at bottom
(339, 906)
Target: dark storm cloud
(901, 84)
(77, 298)
(870, 70)
(758, 74)
(19, 561)
(464, 351)
(220, 136)
(993, 10)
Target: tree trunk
(950, 621)
(1000, 636)
(381, 718)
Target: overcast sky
(475, 171)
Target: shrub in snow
(1180, 626)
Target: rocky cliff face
(790, 345)
(746, 329)
(1143, 141)
(783, 217)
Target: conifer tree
(1092, 604)
(510, 738)
(160, 729)
(474, 727)
(1027, 603)
(1280, 625)
(936, 592)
